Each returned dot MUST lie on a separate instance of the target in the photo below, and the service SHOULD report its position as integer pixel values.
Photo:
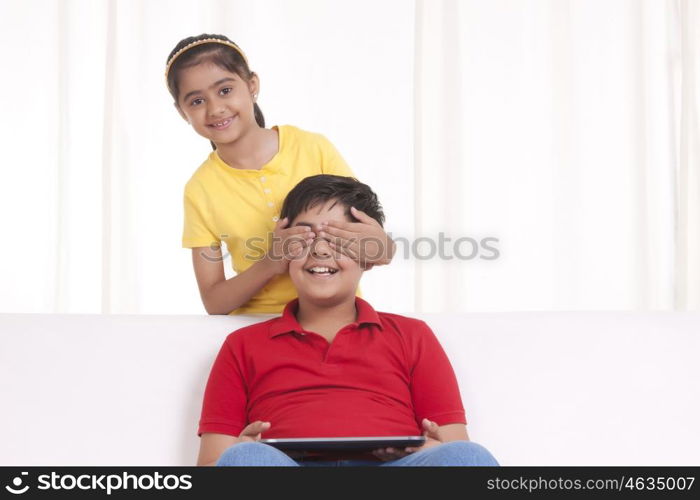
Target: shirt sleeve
(196, 230)
(332, 162)
(225, 397)
(434, 388)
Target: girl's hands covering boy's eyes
(365, 242)
(287, 244)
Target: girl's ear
(254, 85)
(179, 110)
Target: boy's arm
(224, 417)
(434, 389)
(212, 446)
(453, 432)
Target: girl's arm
(221, 295)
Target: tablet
(345, 443)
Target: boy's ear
(179, 110)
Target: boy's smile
(323, 276)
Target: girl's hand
(431, 431)
(287, 244)
(364, 241)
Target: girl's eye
(196, 101)
(226, 90)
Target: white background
(566, 129)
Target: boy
(331, 366)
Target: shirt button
(262, 179)
(275, 218)
(266, 190)
(270, 204)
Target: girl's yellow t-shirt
(240, 207)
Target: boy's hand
(287, 243)
(431, 431)
(364, 241)
(253, 431)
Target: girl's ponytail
(259, 116)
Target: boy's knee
(248, 453)
(247, 447)
(466, 453)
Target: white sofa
(583, 388)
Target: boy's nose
(320, 248)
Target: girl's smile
(215, 100)
(222, 124)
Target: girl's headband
(201, 42)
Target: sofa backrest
(599, 388)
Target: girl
(235, 196)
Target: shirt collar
(288, 321)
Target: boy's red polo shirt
(379, 377)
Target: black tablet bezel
(345, 443)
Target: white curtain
(566, 130)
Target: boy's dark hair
(321, 188)
(221, 55)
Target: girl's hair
(222, 55)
